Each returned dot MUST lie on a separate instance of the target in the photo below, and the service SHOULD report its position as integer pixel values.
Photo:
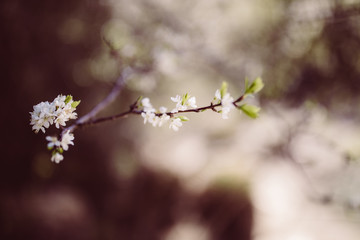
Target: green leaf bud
(75, 104)
(223, 89)
(246, 83)
(185, 97)
(250, 110)
(68, 99)
(255, 86)
(183, 118)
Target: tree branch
(134, 110)
(87, 119)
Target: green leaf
(137, 103)
(250, 110)
(185, 97)
(183, 118)
(49, 148)
(75, 104)
(138, 100)
(246, 83)
(223, 89)
(68, 99)
(255, 86)
(60, 150)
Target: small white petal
(176, 99)
(192, 102)
(148, 117)
(155, 121)
(175, 124)
(163, 119)
(218, 94)
(67, 139)
(162, 109)
(57, 157)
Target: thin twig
(88, 118)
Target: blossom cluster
(59, 145)
(183, 103)
(57, 112)
(160, 117)
(226, 101)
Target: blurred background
(291, 174)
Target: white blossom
(59, 101)
(67, 139)
(155, 121)
(68, 110)
(182, 103)
(162, 109)
(53, 142)
(192, 102)
(145, 102)
(42, 116)
(175, 124)
(149, 114)
(226, 103)
(38, 125)
(217, 95)
(61, 120)
(148, 117)
(163, 119)
(59, 112)
(57, 157)
(176, 99)
(179, 106)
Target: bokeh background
(292, 174)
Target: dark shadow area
(143, 207)
(316, 56)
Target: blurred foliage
(317, 54)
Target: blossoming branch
(62, 109)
